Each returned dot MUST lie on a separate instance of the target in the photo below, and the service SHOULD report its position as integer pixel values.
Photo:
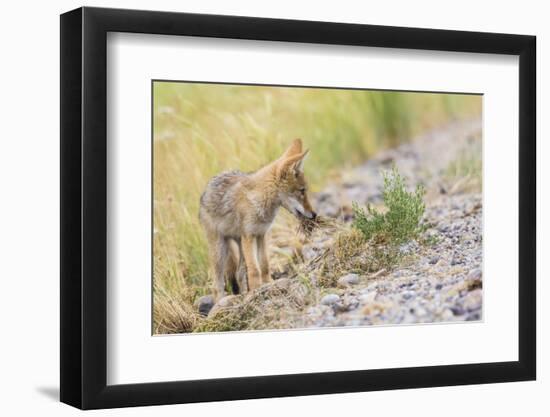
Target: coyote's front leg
(250, 257)
(263, 259)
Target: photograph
(292, 207)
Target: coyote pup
(236, 211)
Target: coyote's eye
(302, 190)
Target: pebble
(348, 280)
(434, 259)
(204, 304)
(368, 297)
(309, 252)
(330, 299)
(458, 310)
(447, 315)
(420, 311)
(473, 300)
(350, 302)
(407, 295)
(340, 307)
(475, 274)
(474, 317)
(406, 249)
(224, 302)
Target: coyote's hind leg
(219, 253)
(232, 267)
(242, 277)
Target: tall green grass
(202, 129)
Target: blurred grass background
(201, 130)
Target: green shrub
(401, 221)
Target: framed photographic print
(258, 207)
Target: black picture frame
(84, 207)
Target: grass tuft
(464, 173)
(272, 306)
(173, 314)
(353, 253)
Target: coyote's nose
(313, 215)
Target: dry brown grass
(307, 227)
(352, 253)
(173, 315)
(465, 173)
(272, 306)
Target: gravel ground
(441, 282)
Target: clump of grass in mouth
(308, 226)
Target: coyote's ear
(294, 164)
(294, 149)
(299, 165)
